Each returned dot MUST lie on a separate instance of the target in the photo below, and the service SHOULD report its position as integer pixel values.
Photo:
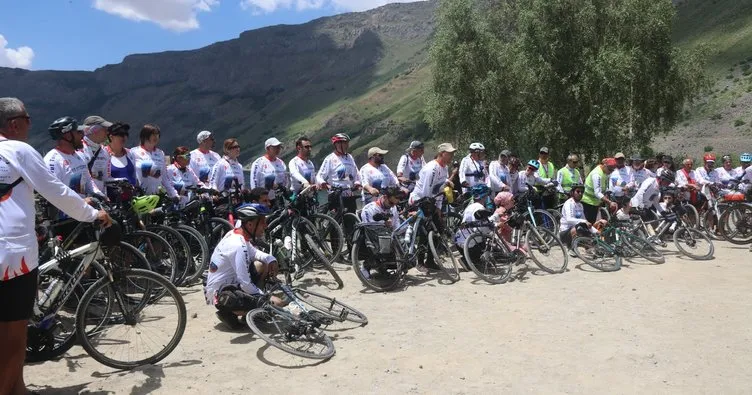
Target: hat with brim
(203, 136)
(543, 150)
(376, 151)
(506, 153)
(609, 162)
(445, 147)
(272, 142)
(620, 155)
(97, 120)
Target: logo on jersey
(213, 267)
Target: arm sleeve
(494, 182)
(401, 165)
(255, 180)
(137, 167)
(295, 173)
(393, 177)
(130, 155)
(194, 178)
(637, 200)
(366, 215)
(463, 170)
(597, 187)
(166, 182)
(34, 172)
(559, 178)
(323, 175)
(216, 176)
(364, 178)
(357, 173)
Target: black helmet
(251, 211)
(582, 229)
(668, 176)
(62, 126)
(393, 192)
(576, 186)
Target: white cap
(203, 135)
(272, 142)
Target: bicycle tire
(218, 227)
(545, 220)
(604, 213)
(181, 247)
(282, 339)
(691, 217)
(686, 239)
(199, 252)
(326, 304)
(735, 224)
(596, 255)
(385, 282)
(546, 244)
(452, 223)
(708, 223)
(158, 252)
(643, 248)
(495, 257)
(89, 339)
(314, 248)
(330, 233)
(443, 256)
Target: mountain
(366, 74)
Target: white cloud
(10, 57)
(267, 6)
(175, 15)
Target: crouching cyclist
(573, 221)
(384, 208)
(238, 271)
(481, 201)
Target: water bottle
(408, 235)
(50, 294)
(288, 243)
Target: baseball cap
(445, 147)
(416, 145)
(619, 155)
(203, 136)
(119, 129)
(376, 151)
(543, 150)
(609, 162)
(97, 120)
(272, 142)
(637, 158)
(506, 152)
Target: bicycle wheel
(708, 223)
(642, 247)
(545, 220)
(735, 224)
(694, 244)
(289, 334)
(691, 217)
(133, 323)
(330, 233)
(200, 253)
(596, 254)
(452, 223)
(443, 256)
(330, 306)
(313, 246)
(546, 250)
(604, 213)
(158, 252)
(181, 247)
(495, 263)
(375, 275)
(218, 227)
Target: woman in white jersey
(151, 166)
(410, 164)
(227, 174)
(180, 174)
(122, 163)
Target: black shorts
(18, 295)
(566, 237)
(232, 298)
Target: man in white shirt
(22, 171)
(269, 171)
(408, 168)
(203, 158)
(473, 167)
(434, 175)
(572, 214)
(649, 194)
(97, 158)
(386, 205)
(620, 178)
(498, 173)
(375, 175)
(686, 179)
(302, 171)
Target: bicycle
(300, 332)
(605, 251)
(688, 240)
(487, 254)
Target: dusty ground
(682, 327)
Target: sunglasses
(185, 156)
(574, 162)
(234, 147)
(25, 117)
(577, 191)
(307, 146)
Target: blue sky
(87, 34)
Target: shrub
(739, 122)
(733, 105)
(715, 117)
(730, 76)
(708, 148)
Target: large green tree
(588, 76)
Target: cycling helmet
(340, 137)
(668, 175)
(582, 229)
(708, 157)
(62, 126)
(393, 192)
(477, 147)
(726, 158)
(416, 145)
(534, 164)
(576, 186)
(145, 204)
(479, 191)
(251, 211)
(745, 157)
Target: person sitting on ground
(573, 214)
(481, 201)
(386, 205)
(238, 271)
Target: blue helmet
(745, 157)
(534, 164)
(250, 211)
(479, 191)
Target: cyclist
(375, 175)
(228, 173)
(638, 171)
(302, 171)
(203, 158)
(594, 194)
(686, 179)
(481, 201)
(22, 171)
(151, 169)
(410, 164)
(667, 164)
(473, 167)
(744, 161)
(724, 174)
(434, 175)
(573, 214)
(531, 177)
(339, 170)
(385, 205)
(649, 194)
(619, 179)
(67, 164)
(498, 173)
(238, 271)
(546, 171)
(122, 164)
(180, 174)
(269, 171)
(569, 174)
(96, 157)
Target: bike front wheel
(443, 256)
(546, 250)
(694, 244)
(595, 254)
(642, 247)
(489, 258)
(289, 334)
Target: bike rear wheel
(735, 224)
(289, 334)
(378, 276)
(495, 263)
(694, 244)
(443, 256)
(158, 252)
(331, 235)
(182, 250)
(595, 254)
(546, 250)
(642, 247)
(200, 252)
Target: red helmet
(340, 137)
(708, 157)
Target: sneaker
(572, 254)
(229, 319)
(421, 268)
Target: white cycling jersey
(268, 174)
(473, 172)
(433, 177)
(639, 176)
(339, 171)
(619, 180)
(302, 173)
(226, 174)
(572, 213)
(375, 207)
(469, 216)
(648, 195)
(151, 169)
(498, 176)
(181, 179)
(202, 164)
(71, 170)
(376, 177)
(409, 168)
(229, 265)
(100, 167)
(524, 179)
(722, 176)
(19, 252)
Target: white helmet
(474, 147)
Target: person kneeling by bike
(573, 217)
(481, 201)
(238, 271)
(384, 209)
